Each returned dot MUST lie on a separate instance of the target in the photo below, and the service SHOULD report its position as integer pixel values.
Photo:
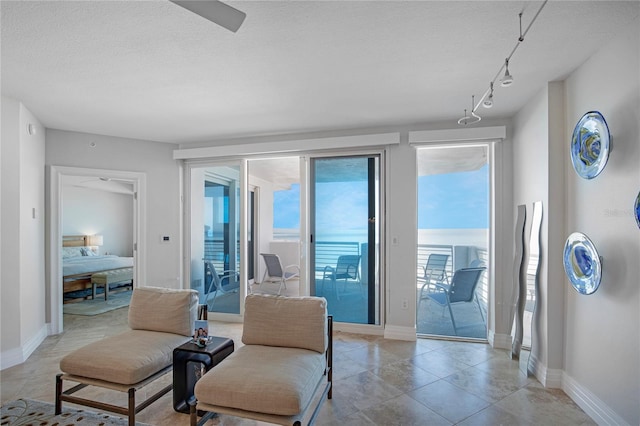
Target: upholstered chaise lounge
(159, 320)
(282, 374)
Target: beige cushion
(296, 322)
(126, 358)
(263, 379)
(163, 309)
(112, 276)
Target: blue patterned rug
(98, 305)
(25, 412)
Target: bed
(80, 262)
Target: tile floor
(376, 381)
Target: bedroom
(98, 214)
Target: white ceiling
(152, 70)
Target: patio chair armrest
(292, 266)
(328, 271)
(232, 274)
(442, 286)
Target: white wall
(23, 285)
(32, 220)
(155, 159)
(602, 344)
(401, 218)
(90, 211)
(531, 184)
(588, 345)
(10, 275)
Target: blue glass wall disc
(636, 209)
(590, 145)
(582, 263)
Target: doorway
(452, 277)
(344, 241)
(215, 247)
(57, 177)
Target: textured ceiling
(152, 70)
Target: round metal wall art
(582, 263)
(590, 145)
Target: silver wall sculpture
(518, 274)
(527, 289)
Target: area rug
(25, 412)
(98, 305)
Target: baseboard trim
(10, 358)
(597, 409)
(548, 377)
(499, 341)
(346, 327)
(20, 354)
(396, 332)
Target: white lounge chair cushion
(126, 358)
(263, 379)
(295, 322)
(162, 309)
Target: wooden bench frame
(130, 411)
(94, 284)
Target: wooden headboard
(74, 240)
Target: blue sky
(454, 200)
(286, 208)
(445, 201)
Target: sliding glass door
(345, 236)
(452, 279)
(215, 236)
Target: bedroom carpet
(98, 305)
(30, 412)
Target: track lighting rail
(473, 117)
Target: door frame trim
(54, 242)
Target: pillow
(87, 251)
(68, 252)
(163, 309)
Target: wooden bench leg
(132, 407)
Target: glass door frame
(189, 166)
(491, 146)
(305, 229)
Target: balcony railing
(480, 254)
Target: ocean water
(449, 237)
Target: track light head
(488, 101)
(507, 79)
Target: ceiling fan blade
(216, 12)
